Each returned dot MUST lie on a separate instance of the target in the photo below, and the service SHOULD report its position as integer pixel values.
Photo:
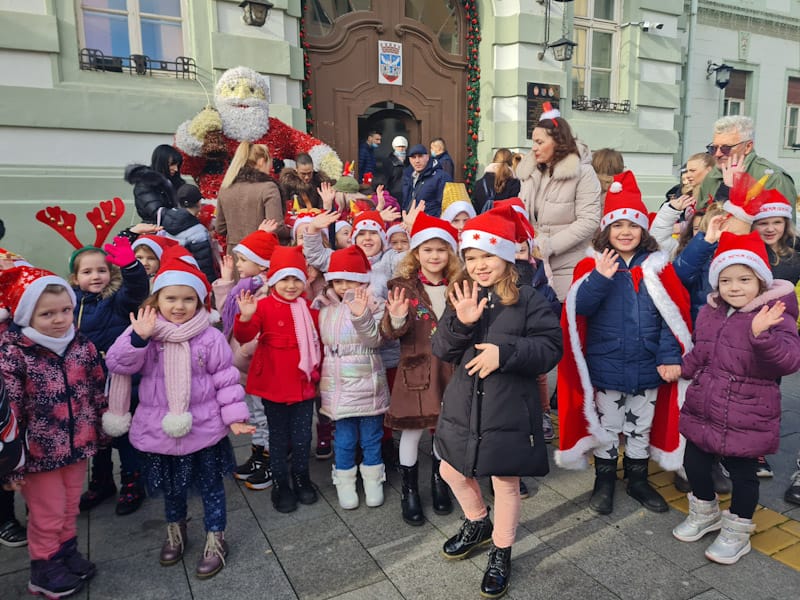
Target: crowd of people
(377, 309)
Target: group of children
(431, 324)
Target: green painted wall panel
(266, 56)
(524, 28)
(668, 7)
(25, 31)
(656, 47)
(660, 95)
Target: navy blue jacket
(445, 163)
(103, 320)
(366, 161)
(626, 338)
(692, 266)
(429, 187)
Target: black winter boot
(409, 499)
(497, 574)
(303, 488)
(472, 535)
(605, 478)
(639, 488)
(442, 503)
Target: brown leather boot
(214, 554)
(174, 545)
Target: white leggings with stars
(629, 414)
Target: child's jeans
(743, 477)
(214, 509)
(52, 498)
(289, 425)
(348, 433)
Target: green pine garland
(473, 37)
(306, 69)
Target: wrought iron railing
(601, 105)
(183, 67)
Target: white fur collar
(776, 291)
(567, 168)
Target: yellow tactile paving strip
(776, 535)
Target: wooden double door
(348, 99)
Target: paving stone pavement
(563, 550)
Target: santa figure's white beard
(244, 123)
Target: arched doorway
(343, 38)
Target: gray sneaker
(547, 427)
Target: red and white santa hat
(21, 287)
(350, 264)
(257, 247)
(16, 259)
(517, 204)
(287, 261)
(179, 253)
(369, 220)
(748, 200)
(624, 202)
(497, 231)
(305, 216)
(156, 243)
(456, 208)
(776, 205)
(177, 271)
(748, 250)
(428, 228)
(396, 228)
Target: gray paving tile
(139, 576)
(711, 595)
(754, 576)
(383, 590)
(15, 586)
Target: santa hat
(21, 287)
(497, 232)
(624, 202)
(304, 216)
(340, 224)
(350, 264)
(517, 204)
(748, 199)
(748, 250)
(548, 112)
(16, 259)
(396, 228)
(257, 247)
(427, 228)
(175, 271)
(178, 252)
(369, 220)
(156, 243)
(287, 261)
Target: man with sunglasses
(733, 149)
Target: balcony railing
(183, 67)
(601, 105)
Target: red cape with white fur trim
(579, 423)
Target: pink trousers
(53, 498)
(506, 502)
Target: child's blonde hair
(409, 266)
(506, 287)
(114, 284)
(152, 300)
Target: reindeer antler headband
(102, 217)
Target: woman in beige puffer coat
(562, 194)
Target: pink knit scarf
(177, 361)
(306, 334)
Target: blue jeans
(348, 432)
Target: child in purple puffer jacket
(745, 340)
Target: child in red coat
(284, 371)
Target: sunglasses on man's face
(725, 149)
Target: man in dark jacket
(441, 157)
(424, 181)
(394, 166)
(366, 154)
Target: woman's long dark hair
(164, 156)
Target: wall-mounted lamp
(255, 12)
(722, 74)
(563, 47)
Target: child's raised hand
(714, 229)
(767, 317)
(357, 299)
(380, 201)
(669, 373)
(268, 225)
(485, 362)
(397, 303)
(247, 305)
(120, 252)
(465, 302)
(606, 264)
(144, 322)
(327, 193)
(323, 220)
(143, 228)
(390, 214)
(682, 203)
(242, 428)
(410, 215)
(226, 267)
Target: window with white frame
(791, 137)
(736, 93)
(594, 63)
(124, 27)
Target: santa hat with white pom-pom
(624, 202)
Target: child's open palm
(606, 264)
(247, 305)
(397, 303)
(323, 220)
(465, 302)
(226, 267)
(242, 428)
(767, 317)
(144, 322)
(357, 299)
(327, 193)
(268, 225)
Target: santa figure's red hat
(21, 287)
(350, 264)
(287, 261)
(156, 243)
(624, 202)
(748, 250)
(369, 220)
(497, 231)
(427, 228)
(258, 247)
